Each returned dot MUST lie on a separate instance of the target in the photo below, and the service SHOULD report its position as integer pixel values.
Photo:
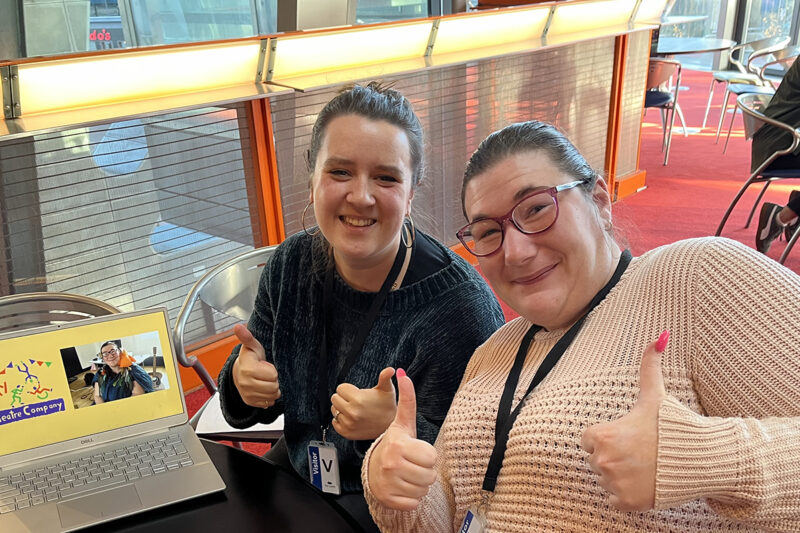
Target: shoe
(768, 227)
(789, 230)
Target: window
(131, 212)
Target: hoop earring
(408, 242)
(303, 221)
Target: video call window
(114, 369)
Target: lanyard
(364, 328)
(506, 417)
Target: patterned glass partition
(459, 106)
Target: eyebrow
(383, 168)
(522, 193)
(519, 195)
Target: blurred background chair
(662, 95)
(784, 59)
(229, 288)
(752, 106)
(738, 56)
(754, 66)
(36, 309)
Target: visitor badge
(323, 466)
(474, 522)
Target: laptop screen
(83, 378)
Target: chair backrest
(783, 60)
(230, 288)
(752, 106)
(765, 54)
(660, 71)
(35, 309)
(766, 43)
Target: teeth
(358, 221)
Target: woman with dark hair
(573, 417)
(342, 305)
(120, 376)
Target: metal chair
(659, 76)
(752, 106)
(784, 59)
(754, 64)
(35, 309)
(229, 288)
(736, 55)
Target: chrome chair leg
(708, 104)
(722, 113)
(732, 205)
(755, 204)
(730, 128)
(789, 246)
(669, 134)
(683, 121)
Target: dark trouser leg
(352, 504)
(789, 162)
(356, 506)
(278, 453)
(794, 202)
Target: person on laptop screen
(120, 377)
(342, 305)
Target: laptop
(67, 462)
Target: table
(670, 46)
(260, 496)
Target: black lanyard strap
(324, 394)
(505, 416)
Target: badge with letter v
(323, 467)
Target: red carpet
(688, 197)
(685, 199)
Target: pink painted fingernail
(401, 373)
(661, 343)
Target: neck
(367, 275)
(114, 369)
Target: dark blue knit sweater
(429, 328)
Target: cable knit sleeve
(742, 452)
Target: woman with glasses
(120, 377)
(342, 305)
(656, 393)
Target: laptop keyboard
(20, 490)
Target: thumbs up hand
(401, 468)
(623, 453)
(363, 414)
(255, 378)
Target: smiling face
(549, 278)
(361, 192)
(110, 355)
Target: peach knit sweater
(729, 430)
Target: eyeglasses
(535, 213)
(112, 351)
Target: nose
(517, 248)
(361, 191)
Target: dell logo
(87, 441)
